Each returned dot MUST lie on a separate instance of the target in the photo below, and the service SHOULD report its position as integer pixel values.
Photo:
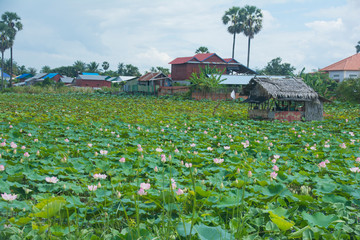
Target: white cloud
(327, 26)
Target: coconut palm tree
(202, 49)
(13, 21)
(92, 67)
(252, 24)
(233, 16)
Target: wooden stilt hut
(283, 99)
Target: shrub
(349, 90)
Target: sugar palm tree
(4, 44)
(105, 65)
(252, 24)
(202, 49)
(92, 67)
(13, 21)
(233, 17)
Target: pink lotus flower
(322, 165)
(343, 145)
(327, 161)
(357, 159)
(273, 161)
(188, 165)
(276, 156)
(173, 184)
(92, 188)
(355, 169)
(179, 192)
(156, 169)
(103, 152)
(66, 140)
(51, 179)
(218, 161)
(26, 154)
(159, 150)
(2, 168)
(23, 147)
(192, 145)
(273, 175)
(226, 147)
(9, 197)
(90, 145)
(275, 168)
(13, 145)
(29, 134)
(99, 176)
(3, 144)
(122, 160)
(145, 186)
(36, 140)
(209, 148)
(142, 192)
(249, 174)
(176, 150)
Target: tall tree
(275, 67)
(358, 47)
(32, 71)
(233, 17)
(4, 44)
(165, 71)
(105, 65)
(202, 49)
(252, 24)
(79, 66)
(92, 67)
(128, 70)
(13, 21)
(45, 69)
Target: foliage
(45, 69)
(252, 24)
(275, 67)
(208, 78)
(234, 17)
(357, 47)
(92, 67)
(202, 49)
(75, 136)
(165, 71)
(128, 70)
(349, 90)
(105, 65)
(321, 83)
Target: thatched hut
(283, 99)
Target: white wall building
(344, 69)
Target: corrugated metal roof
(24, 75)
(127, 78)
(50, 75)
(86, 73)
(235, 79)
(92, 77)
(66, 79)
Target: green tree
(202, 49)
(13, 21)
(252, 24)
(165, 71)
(105, 65)
(92, 67)
(275, 67)
(32, 71)
(128, 70)
(358, 47)
(45, 69)
(4, 44)
(79, 66)
(233, 17)
(320, 82)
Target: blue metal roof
(25, 75)
(5, 74)
(85, 73)
(50, 75)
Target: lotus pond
(88, 166)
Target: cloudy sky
(304, 33)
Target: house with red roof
(346, 68)
(152, 81)
(183, 67)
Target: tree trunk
(2, 70)
(248, 57)
(233, 48)
(11, 65)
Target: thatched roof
(293, 89)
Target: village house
(283, 99)
(183, 67)
(91, 80)
(346, 68)
(152, 81)
(23, 77)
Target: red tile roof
(230, 59)
(200, 57)
(351, 63)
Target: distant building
(183, 67)
(67, 80)
(94, 81)
(346, 68)
(53, 76)
(23, 77)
